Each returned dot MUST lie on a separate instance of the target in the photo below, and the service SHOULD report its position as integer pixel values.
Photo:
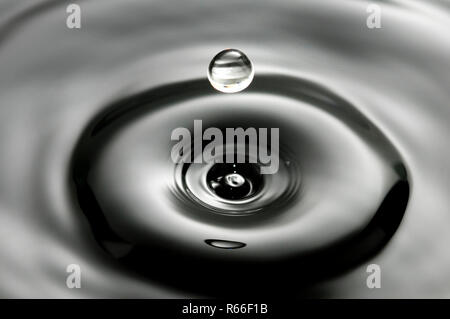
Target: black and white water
(86, 176)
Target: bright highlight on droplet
(234, 180)
(230, 71)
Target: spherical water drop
(230, 71)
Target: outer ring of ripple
(214, 276)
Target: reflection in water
(86, 117)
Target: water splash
(119, 167)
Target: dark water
(87, 176)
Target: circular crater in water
(338, 196)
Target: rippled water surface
(87, 178)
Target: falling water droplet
(230, 71)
